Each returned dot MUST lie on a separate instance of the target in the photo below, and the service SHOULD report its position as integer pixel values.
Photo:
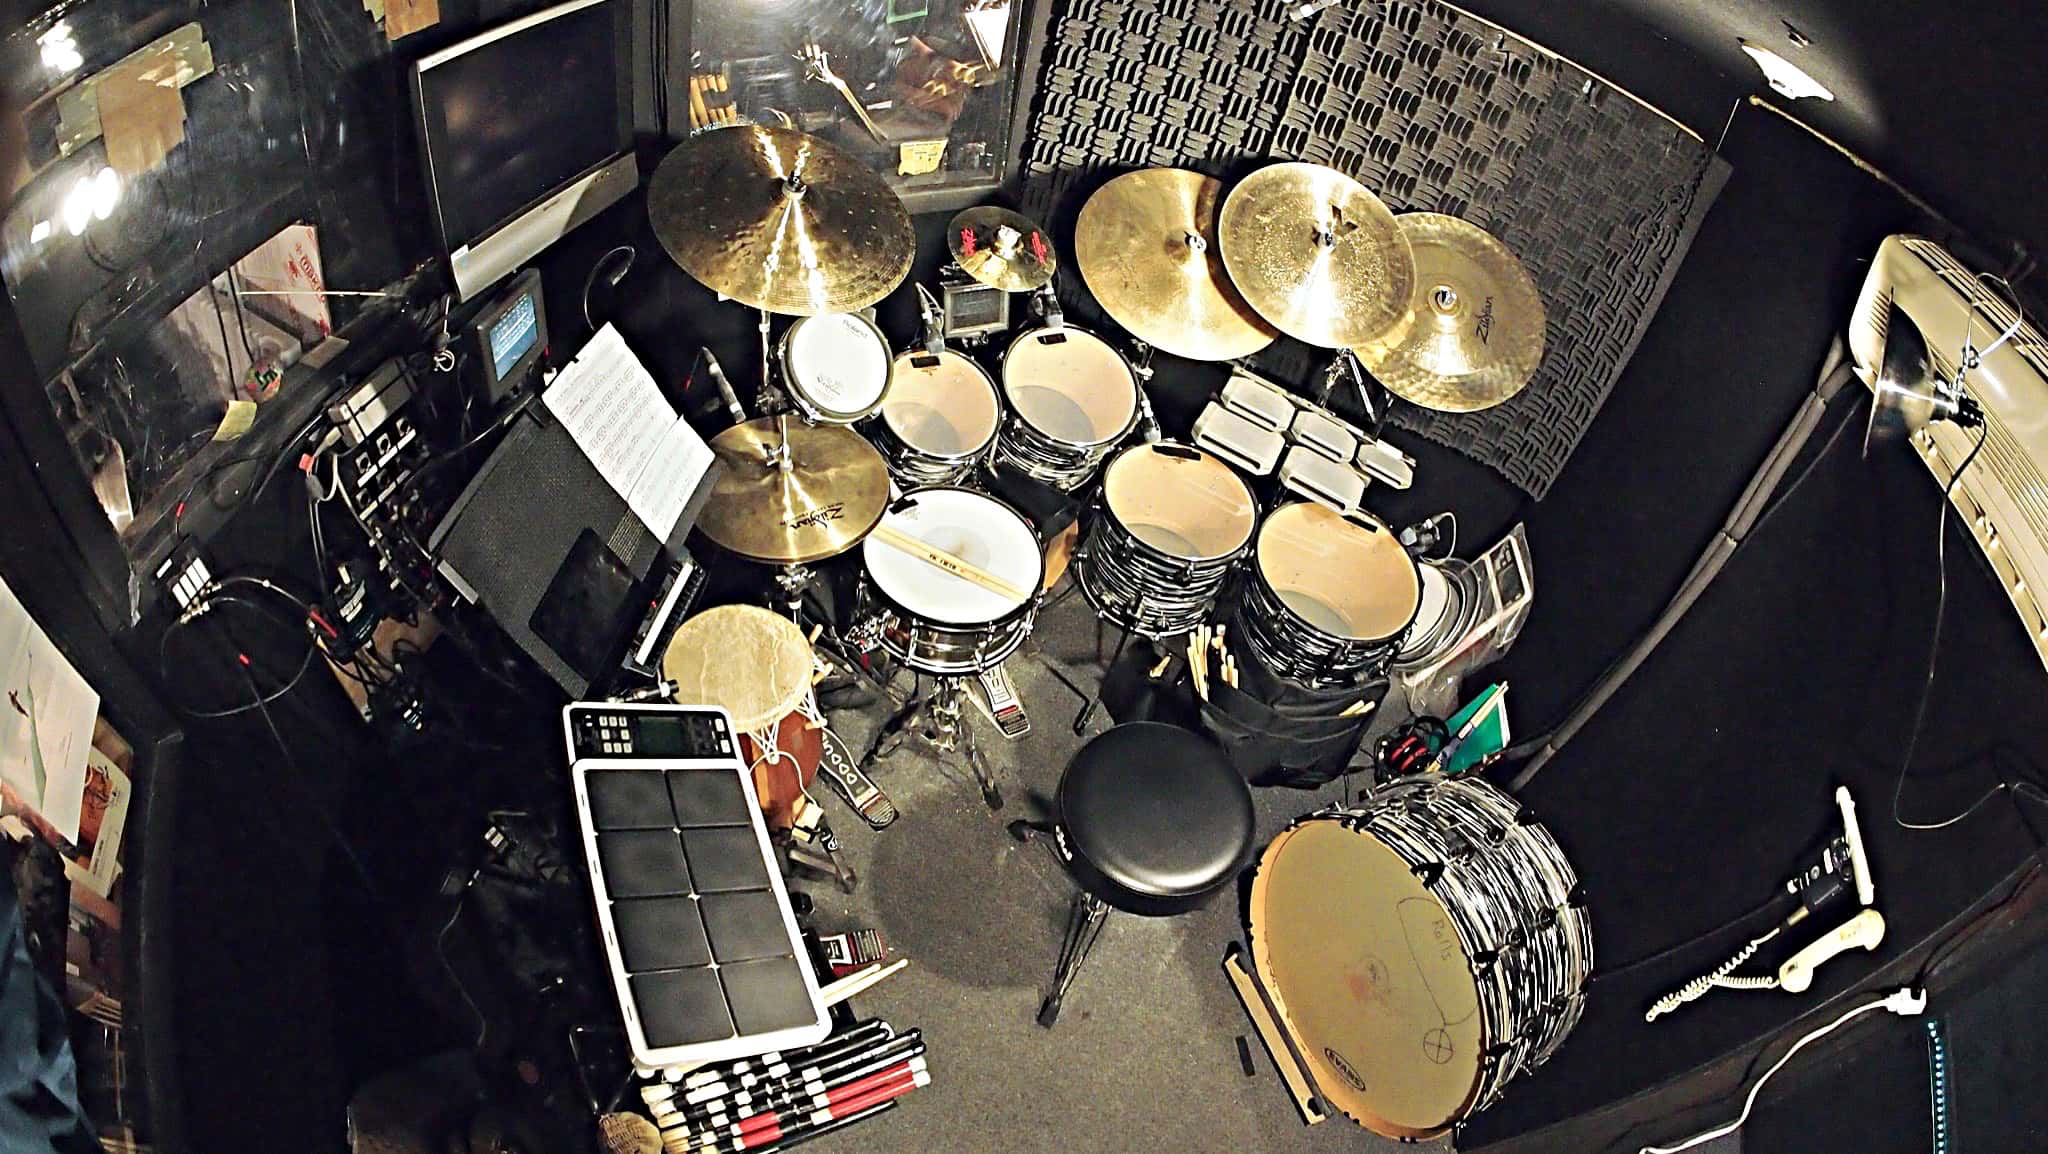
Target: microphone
(732, 400)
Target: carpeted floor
(1144, 1056)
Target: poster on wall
(46, 720)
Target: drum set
(1459, 955)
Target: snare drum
(836, 367)
(1450, 605)
(1423, 949)
(782, 734)
(938, 419)
(1168, 527)
(1071, 398)
(1326, 600)
(938, 621)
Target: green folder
(1479, 730)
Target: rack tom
(1170, 524)
(1071, 398)
(938, 420)
(1327, 600)
(836, 367)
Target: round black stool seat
(1154, 819)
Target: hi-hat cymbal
(1317, 255)
(1478, 331)
(781, 221)
(820, 503)
(1146, 245)
(1001, 249)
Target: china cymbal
(1478, 331)
(1001, 249)
(1146, 245)
(819, 504)
(781, 221)
(1317, 255)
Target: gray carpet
(1144, 1056)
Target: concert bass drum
(1422, 949)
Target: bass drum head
(838, 366)
(1181, 501)
(1070, 385)
(1367, 971)
(942, 405)
(1346, 579)
(979, 530)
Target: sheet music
(615, 413)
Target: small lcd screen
(513, 336)
(513, 119)
(971, 308)
(659, 737)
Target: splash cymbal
(781, 221)
(1146, 244)
(818, 503)
(1001, 249)
(1478, 331)
(1317, 255)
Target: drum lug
(1428, 873)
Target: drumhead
(1070, 385)
(979, 530)
(1179, 500)
(763, 689)
(837, 364)
(1435, 600)
(941, 404)
(1344, 578)
(1367, 970)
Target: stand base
(934, 723)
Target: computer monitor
(526, 132)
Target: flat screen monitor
(527, 132)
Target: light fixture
(106, 193)
(77, 209)
(40, 232)
(58, 50)
(1787, 79)
(1909, 393)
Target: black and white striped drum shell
(1423, 948)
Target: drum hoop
(1262, 963)
(802, 397)
(1258, 569)
(1010, 401)
(1101, 502)
(902, 610)
(995, 428)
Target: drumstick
(939, 558)
(1357, 708)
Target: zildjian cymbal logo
(819, 516)
(1483, 327)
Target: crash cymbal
(820, 503)
(1478, 331)
(781, 221)
(1001, 249)
(1317, 255)
(1146, 245)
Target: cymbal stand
(1045, 301)
(1372, 397)
(1141, 368)
(933, 721)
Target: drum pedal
(855, 788)
(998, 700)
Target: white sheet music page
(615, 413)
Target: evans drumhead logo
(1344, 1068)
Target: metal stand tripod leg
(1084, 925)
(935, 722)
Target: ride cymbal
(781, 221)
(1146, 244)
(1478, 331)
(818, 503)
(1317, 255)
(1001, 249)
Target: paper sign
(46, 716)
(405, 17)
(142, 117)
(918, 157)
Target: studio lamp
(1910, 392)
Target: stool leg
(1084, 925)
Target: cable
(1902, 1001)
(483, 1024)
(1934, 643)
(1785, 494)
(1696, 989)
(348, 852)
